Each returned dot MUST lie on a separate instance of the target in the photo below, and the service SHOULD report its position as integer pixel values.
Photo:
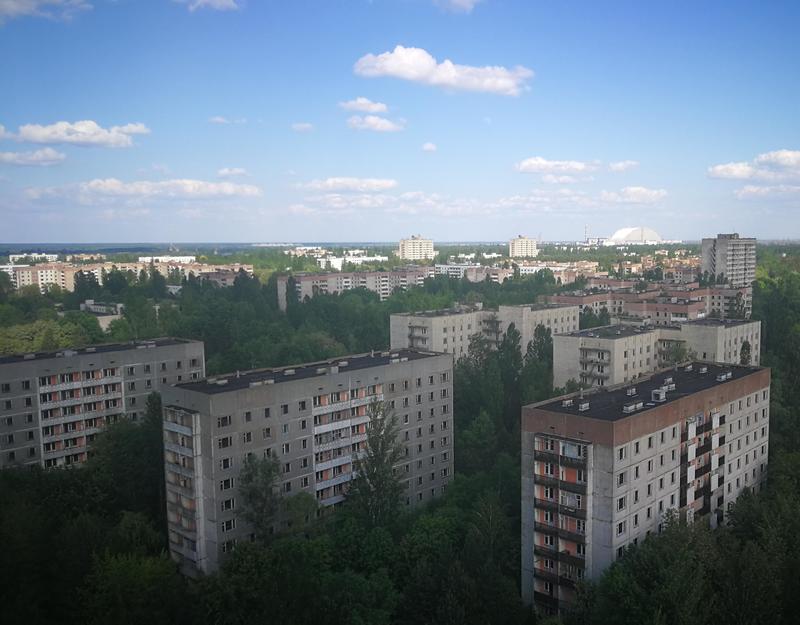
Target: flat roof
(441, 312)
(540, 305)
(244, 379)
(710, 321)
(617, 331)
(93, 349)
(607, 404)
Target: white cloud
(374, 123)
(219, 119)
(364, 105)
(110, 189)
(633, 195)
(352, 184)
(217, 5)
(541, 165)
(623, 165)
(417, 65)
(302, 127)
(429, 147)
(53, 9)
(4, 134)
(231, 172)
(41, 158)
(458, 6)
(85, 133)
(554, 179)
(776, 191)
(775, 165)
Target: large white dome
(638, 235)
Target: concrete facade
(731, 256)
(604, 356)
(716, 340)
(416, 248)
(53, 404)
(313, 418)
(307, 285)
(600, 471)
(450, 330)
(523, 247)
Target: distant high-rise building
(416, 248)
(313, 418)
(731, 258)
(601, 470)
(523, 247)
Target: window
(229, 525)
(248, 416)
(247, 437)
(227, 504)
(223, 421)
(284, 408)
(620, 528)
(621, 479)
(225, 463)
(226, 484)
(286, 448)
(621, 503)
(621, 453)
(224, 442)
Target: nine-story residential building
(314, 419)
(602, 470)
(53, 404)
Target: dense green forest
(94, 537)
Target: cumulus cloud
(222, 121)
(110, 189)
(428, 147)
(623, 165)
(217, 5)
(374, 123)
(364, 105)
(774, 191)
(554, 179)
(352, 184)
(775, 165)
(84, 133)
(458, 6)
(541, 165)
(302, 127)
(231, 172)
(418, 65)
(41, 158)
(633, 195)
(53, 9)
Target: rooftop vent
(343, 363)
(288, 372)
(222, 382)
(725, 375)
(668, 380)
(631, 391)
(688, 367)
(659, 395)
(583, 406)
(566, 403)
(29, 356)
(256, 383)
(269, 381)
(704, 369)
(629, 408)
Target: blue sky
(257, 120)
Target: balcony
(573, 487)
(170, 426)
(567, 461)
(562, 533)
(702, 470)
(545, 574)
(545, 599)
(572, 559)
(704, 448)
(546, 504)
(546, 480)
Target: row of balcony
(572, 487)
(559, 531)
(557, 506)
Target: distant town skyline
(462, 120)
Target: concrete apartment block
(53, 404)
(313, 418)
(716, 340)
(523, 247)
(601, 470)
(604, 356)
(416, 248)
(450, 330)
(731, 256)
(307, 285)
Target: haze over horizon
(462, 120)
